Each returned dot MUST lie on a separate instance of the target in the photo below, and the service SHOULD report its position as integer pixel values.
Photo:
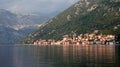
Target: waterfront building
(86, 39)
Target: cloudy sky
(41, 6)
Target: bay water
(60, 56)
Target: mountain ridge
(14, 27)
(83, 17)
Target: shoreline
(66, 45)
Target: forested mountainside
(84, 16)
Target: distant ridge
(14, 27)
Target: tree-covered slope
(83, 17)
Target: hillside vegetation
(83, 17)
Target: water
(60, 56)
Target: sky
(32, 6)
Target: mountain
(84, 16)
(5, 31)
(32, 19)
(9, 35)
(14, 27)
(7, 18)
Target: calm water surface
(60, 56)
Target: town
(82, 39)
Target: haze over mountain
(13, 27)
(85, 16)
(20, 17)
(39, 6)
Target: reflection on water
(60, 56)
